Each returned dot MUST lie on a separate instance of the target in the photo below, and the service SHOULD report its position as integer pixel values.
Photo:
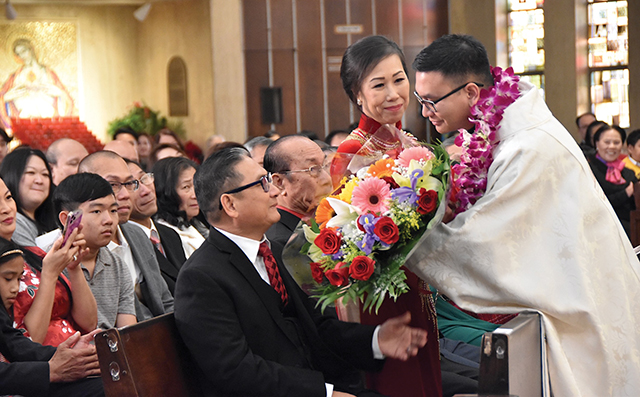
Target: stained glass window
(609, 60)
(526, 40)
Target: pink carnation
(415, 153)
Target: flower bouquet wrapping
(391, 196)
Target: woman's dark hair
(9, 250)
(166, 175)
(11, 172)
(606, 127)
(591, 128)
(361, 58)
(77, 189)
(166, 131)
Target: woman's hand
(629, 190)
(61, 256)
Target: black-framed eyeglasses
(264, 181)
(314, 171)
(131, 186)
(431, 105)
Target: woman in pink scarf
(616, 181)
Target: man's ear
(473, 93)
(278, 181)
(62, 216)
(228, 206)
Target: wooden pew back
(146, 359)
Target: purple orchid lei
(470, 176)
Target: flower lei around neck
(470, 176)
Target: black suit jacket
(232, 323)
(28, 373)
(281, 231)
(170, 266)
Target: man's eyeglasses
(265, 183)
(147, 179)
(313, 171)
(431, 105)
(131, 186)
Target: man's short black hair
(457, 56)
(216, 175)
(78, 189)
(633, 138)
(125, 130)
(582, 115)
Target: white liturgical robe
(544, 237)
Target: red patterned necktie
(272, 270)
(156, 241)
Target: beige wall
(178, 29)
(476, 18)
(228, 70)
(107, 53)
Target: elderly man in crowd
(297, 165)
(257, 146)
(63, 156)
(167, 243)
(130, 243)
(250, 328)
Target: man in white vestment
(543, 236)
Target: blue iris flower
(409, 194)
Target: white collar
(145, 229)
(636, 163)
(123, 241)
(249, 246)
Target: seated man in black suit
(250, 328)
(36, 370)
(166, 242)
(297, 165)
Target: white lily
(345, 213)
(309, 234)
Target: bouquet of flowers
(363, 233)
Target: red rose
(316, 272)
(392, 182)
(386, 230)
(427, 201)
(328, 241)
(362, 267)
(339, 275)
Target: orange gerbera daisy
(382, 168)
(324, 213)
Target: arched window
(177, 85)
(609, 61)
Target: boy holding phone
(108, 279)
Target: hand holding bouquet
(364, 232)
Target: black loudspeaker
(271, 105)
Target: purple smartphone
(73, 221)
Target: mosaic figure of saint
(33, 90)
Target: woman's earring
(359, 102)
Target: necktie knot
(272, 270)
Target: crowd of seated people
(139, 226)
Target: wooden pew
(513, 360)
(146, 359)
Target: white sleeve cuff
(375, 346)
(329, 387)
